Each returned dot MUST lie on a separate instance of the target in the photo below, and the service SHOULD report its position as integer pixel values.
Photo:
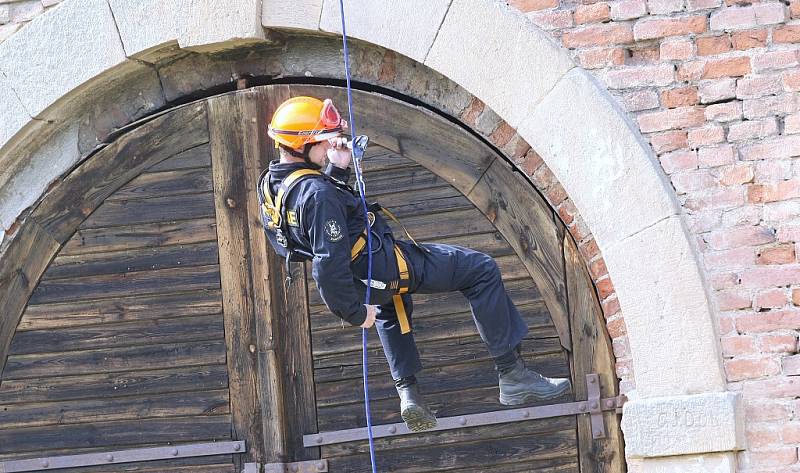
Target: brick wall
(713, 86)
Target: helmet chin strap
(305, 155)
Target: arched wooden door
(141, 307)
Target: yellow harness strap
(395, 220)
(402, 267)
(273, 207)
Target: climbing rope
(358, 155)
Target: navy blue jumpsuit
(331, 218)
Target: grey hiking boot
(413, 410)
(521, 385)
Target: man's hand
(372, 311)
(339, 154)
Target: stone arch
(97, 47)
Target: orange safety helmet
(303, 120)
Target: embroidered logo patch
(333, 231)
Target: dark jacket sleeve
(341, 175)
(325, 219)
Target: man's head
(302, 128)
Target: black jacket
(330, 217)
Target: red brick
(473, 111)
(790, 432)
(679, 97)
(643, 76)
(663, 27)
(592, 13)
(779, 191)
(791, 81)
(755, 87)
(551, 19)
(770, 276)
(637, 100)
(678, 161)
(597, 58)
(556, 194)
(694, 180)
(791, 124)
(742, 40)
(737, 345)
(628, 9)
(772, 105)
(716, 156)
(770, 299)
(723, 197)
(768, 321)
(739, 369)
(589, 249)
(643, 55)
(530, 162)
(708, 135)
(773, 457)
(543, 178)
(728, 67)
(748, 17)
(724, 112)
(778, 387)
(598, 35)
(502, 134)
(526, 6)
(762, 436)
(604, 288)
(694, 5)
(738, 174)
(786, 34)
(677, 50)
(567, 212)
(691, 70)
(774, 60)
(722, 281)
(669, 141)
(780, 343)
(616, 327)
(730, 259)
(762, 410)
(781, 254)
(776, 148)
(753, 129)
(610, 306)
(664, 7)
(794, 8)
(597, 268)
(739, 236)
(681, 117)
(713, 45)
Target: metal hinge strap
(124, 456)
(309, 466)
(594, 406)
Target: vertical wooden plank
(229, 142)
(591, 353)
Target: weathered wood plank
(160, 257)
(411, 180)
(467, 434)
(286, 369)
(156, 209)
(378, 158)
(592, 354)
(173, 379)
(197, 157)
(528, 224)
(89, 411)
(23, 263)
(445, 404)
(117, 335)
(213, 464)
(451, 377)
(117, 285)
(110, 359)
(164, 183)
(122, 309)
(432, 354)
(130, 237)
(80, 193)
(566, 464)
(428, 328)
(229, 141)
(438, 457)
(116, 434)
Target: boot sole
(525, 397)
(418, 419)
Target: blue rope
(357, 158)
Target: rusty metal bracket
(310, 466)
(124, 456)
(594, 406)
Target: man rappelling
(314, 215)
